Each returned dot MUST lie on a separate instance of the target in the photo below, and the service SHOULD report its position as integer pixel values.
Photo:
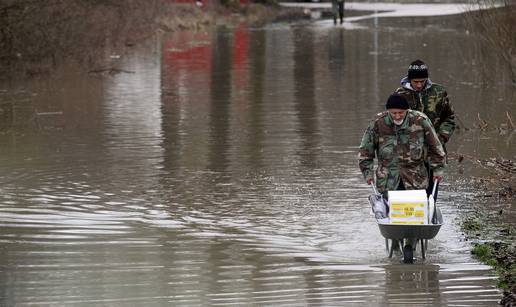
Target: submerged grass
(472, 224)
(491, 227)
(499, 254)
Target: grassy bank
(490, 223)
(497, 253)
(486, 179)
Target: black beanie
(417, 69)
(397, 101)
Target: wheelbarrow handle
(434, 188)
(373, 185)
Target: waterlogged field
(219, 168)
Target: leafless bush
(496, 27)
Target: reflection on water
(223, 172)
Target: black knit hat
(397, 101)
(417, 69)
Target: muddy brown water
(220, 169)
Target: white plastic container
(408, 207)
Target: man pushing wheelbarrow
(402, 140)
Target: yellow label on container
(405, 213)
(408, 222)
(408, 204)
(407, 210)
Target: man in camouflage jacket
(399, 139)
(430, 98)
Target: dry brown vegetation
(496, 28)
(35, 34)
(51, 30)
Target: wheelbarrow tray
(402, 231)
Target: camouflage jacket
(401, 151)
(433, 101)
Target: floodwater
(386, 9)
(219, 168)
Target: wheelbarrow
(407, 237)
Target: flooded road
(220, 168)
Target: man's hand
(370, 181)
(438, 178)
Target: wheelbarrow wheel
(408, 254)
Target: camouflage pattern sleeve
(436, 154)
(447, 119)
(367, 151)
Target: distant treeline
(497, 28)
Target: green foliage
(501, 256)
(472, 224)
(484, 253)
